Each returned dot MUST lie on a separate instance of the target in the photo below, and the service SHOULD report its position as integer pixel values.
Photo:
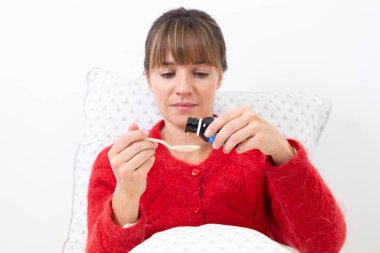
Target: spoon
(180, 148)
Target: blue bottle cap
(211, 138)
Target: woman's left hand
(243, 129)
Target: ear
(219, 83)
(148, 80)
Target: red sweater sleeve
(302, 211)
(103, 234)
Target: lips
(184, 104)
(184, 107)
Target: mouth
(184, 107)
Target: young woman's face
(184, 90)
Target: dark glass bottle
(199, 126)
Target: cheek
(161, 94)
(208, 96)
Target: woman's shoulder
(102, 165)
(103, 154)
(101, 173)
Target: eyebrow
(170, 63)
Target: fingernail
(207, 133)
(215, 146)
(146, 132)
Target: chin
(177, 120)
(180, 119)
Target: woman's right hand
(131, 157)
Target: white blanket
(210, 238)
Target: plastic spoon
(180, 148)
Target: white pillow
(210, 238)
(112, 103)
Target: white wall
(47, 47)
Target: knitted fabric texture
(289, 203)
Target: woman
(251, 176)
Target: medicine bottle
(199, 126)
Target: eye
(167, 75)
(201, 74)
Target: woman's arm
(125, 209)
(301, 208)
(104, 234)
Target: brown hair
(191, 36)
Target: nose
(184, 84)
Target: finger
(233, 126)
(229, 129)
(138, 159)
(146, 166)
(133, 126)
(125, 140)
(129, 152)
(251, 143)
(240, 136)
(220, 121)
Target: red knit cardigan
(289, 203)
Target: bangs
(187, 42)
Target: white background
(47, 47)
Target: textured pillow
(210, 238)
(112, 103)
